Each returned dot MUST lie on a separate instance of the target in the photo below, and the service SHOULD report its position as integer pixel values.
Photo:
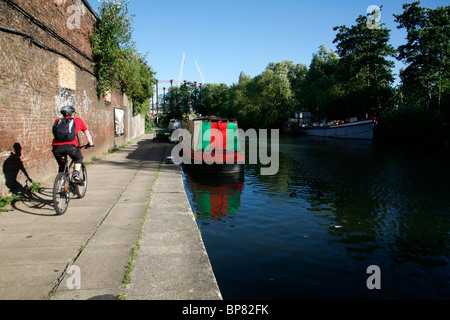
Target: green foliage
(117, 62)
(364, 71)
(34, 187)
(137, 79)
(426, 79)
(411, 125)
(111, 38)
(180, 100)
(354, 81)
(4, 201)
(320, 90)
(213, 99)
(266, 100)
(296, 75)
(423, 99)
(149, 124)
(273, 95)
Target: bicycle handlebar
(87, 146)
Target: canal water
(335, 208)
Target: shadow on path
(36, 203)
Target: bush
(118, 64)
(409, 126)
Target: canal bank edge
(171, 261)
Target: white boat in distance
(362, 129)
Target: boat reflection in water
(214, 196)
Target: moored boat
(174, 124)
(212, 145)
(359, 129)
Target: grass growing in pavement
(6, 200)
(135, 250)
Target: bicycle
(65, 184)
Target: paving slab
(172, 263)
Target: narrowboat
(211, 144)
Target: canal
(335, 208)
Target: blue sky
(227, 37)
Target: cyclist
(62, 149)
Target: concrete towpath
(134, 201)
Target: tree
(320, 91)
(180, 100)
(243, 77)
(296, 75)
(241, 107)
(117, 62)
(137, 80)
(426, 79)
(111, 39)
(276, 94)
(365, 71)
(214, 100)
(265, 101)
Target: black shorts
(60, 151)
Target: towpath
(133, 197)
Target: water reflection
(214, 196)
(356, 204)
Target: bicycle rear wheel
(81, 186)
(61, 193)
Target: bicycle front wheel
(61, 193)
(81, 186)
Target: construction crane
(199, 71)
(183, 61)
(182, 66)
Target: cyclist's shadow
(38, 203)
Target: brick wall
(45, 63)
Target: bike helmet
(67, 111)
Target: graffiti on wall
(84, 107)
